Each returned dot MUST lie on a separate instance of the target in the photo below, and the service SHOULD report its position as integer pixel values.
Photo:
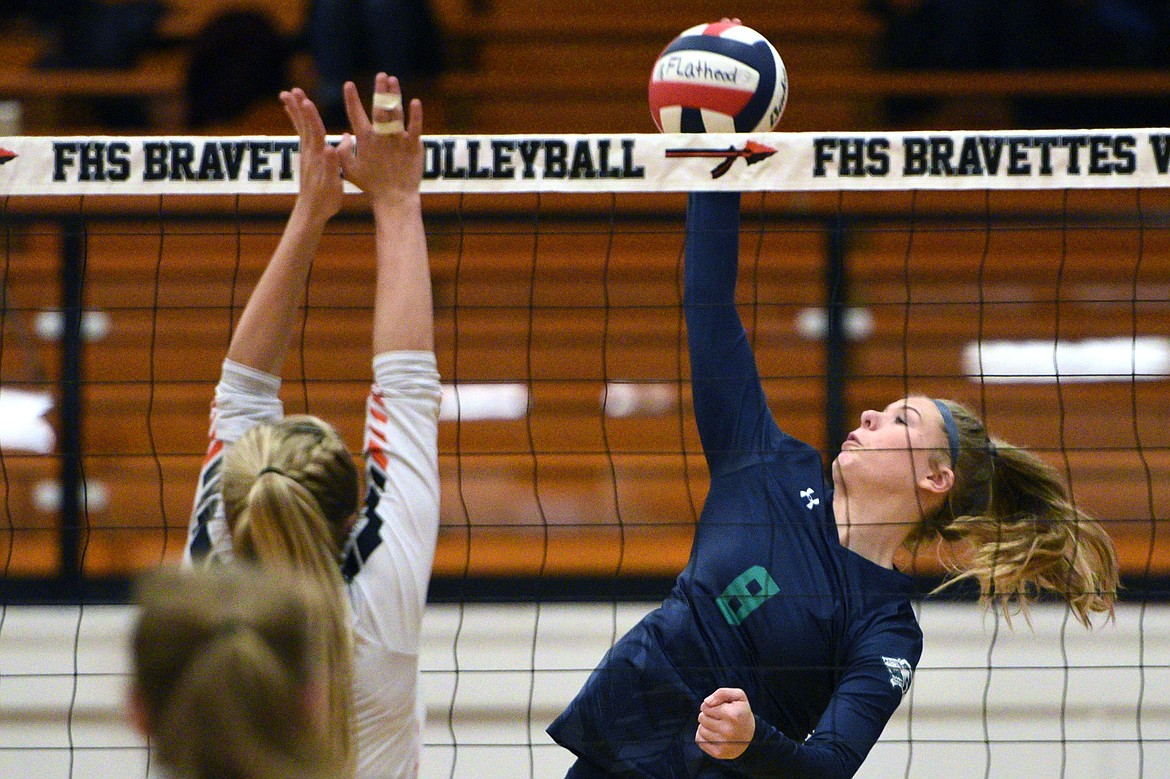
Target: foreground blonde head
(226, 664)
(290, 493)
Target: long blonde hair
(224, 661)
(290, 493)
(1017, 529)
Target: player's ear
(939, 480)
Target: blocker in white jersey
(722, 77)
(283, 491)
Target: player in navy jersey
(285, 491)
(789, 639)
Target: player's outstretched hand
(320, 167)
(726, 724)
(384, 155)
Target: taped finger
(393, 127)
(387, 100)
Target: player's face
(893, 447)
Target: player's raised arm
(249, 387)
(266, 329)
(730, 408)
(392, 546)
(387, 165)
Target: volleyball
(718, 78)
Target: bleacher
(569, 490)
(522, 66)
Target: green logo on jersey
(746, 594)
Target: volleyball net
(1026, 274)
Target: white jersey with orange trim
(387, 561)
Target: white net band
(200, 165)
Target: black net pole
(72, 278)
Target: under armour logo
(808, 495)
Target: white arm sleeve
(392, 549)
(243, 398)
(389, 558)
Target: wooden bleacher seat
(525, 67)
(585, 68)
(159, 76)
(517, 66)
(185, 18)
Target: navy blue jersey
(823, 641)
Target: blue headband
(952, 430)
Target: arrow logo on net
(6, 155)
(751, 153)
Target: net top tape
(956, 160)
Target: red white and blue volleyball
(718, 78)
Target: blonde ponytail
(1016, 531)
(290, 493)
